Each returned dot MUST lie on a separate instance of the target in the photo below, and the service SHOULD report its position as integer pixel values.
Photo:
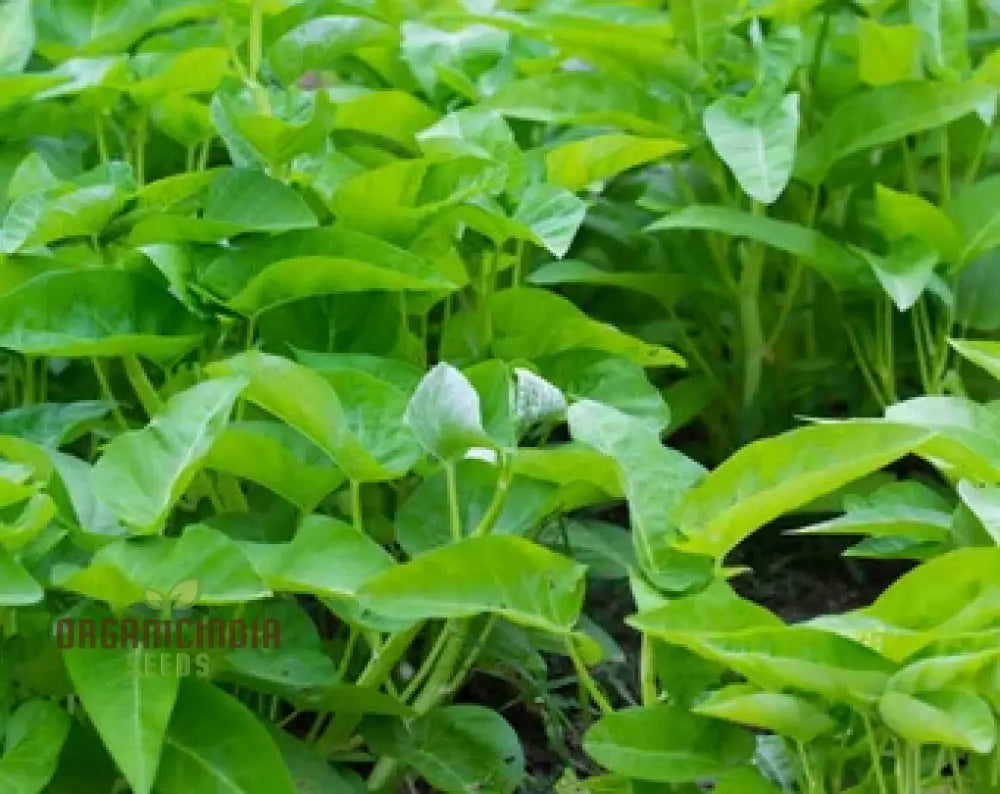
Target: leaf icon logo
(155, 599)
(184, 594)
(180, 596)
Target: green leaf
(32, 519)
(504, 575)
(906, 272)
(655, 479)
(456, 749)
(35, 735)
(667, 744)
(17, 35)
(401, 374)
(716, 610)
(702, 25)
(444, 414)
(665, 288)
(99, 312)
(749, 780)
(78, 209)
(422, 521)
(123, 572)
(984, 502)
(782, 713)
(585, 98)
(214, 743)
(247, 200)
(577, 164)
(606, 549)
(949, 596)
(884, 115)
(965, 440)
(974, 213)
(529, 323)
(755, 137)
(129, 709)
(18, 589)
(84, 764)
(549, 216)
(297, 122)
(144, 472)
(622, 384)
(803, 658)
(831, 260)
(899, 509)
(775, 475)
(944, 28)
(887, 53)
(53, 424)
(903, 215)
(313, 774)
(320, 42)
(325, 558)
(260, 275)
(307, 402)
(275, 456)
(413, 191)
(954, 719)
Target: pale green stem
(586, 679)
(454, 515)
(106, 393)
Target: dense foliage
(336, 333)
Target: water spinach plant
(335, 335)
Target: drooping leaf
(125, 571)
(229, 748)
(667, 744)
(585, 98)
(577, 164)
(260, 275)
(831, 260)
(774, 475)
(98, 312)
(655, 479)
(246, 200)
(500, 574)
(549, 216)
(952, 718)
(903, 215)
(53, 424)
(905, 272)
(456, 748)
(275, 456)
(530, 322)
(129, 708)
(422, 521)
(885, 114)
(326, 558)
(784, 714)
(144, 472)
(307, 402)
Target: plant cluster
(335, 332)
